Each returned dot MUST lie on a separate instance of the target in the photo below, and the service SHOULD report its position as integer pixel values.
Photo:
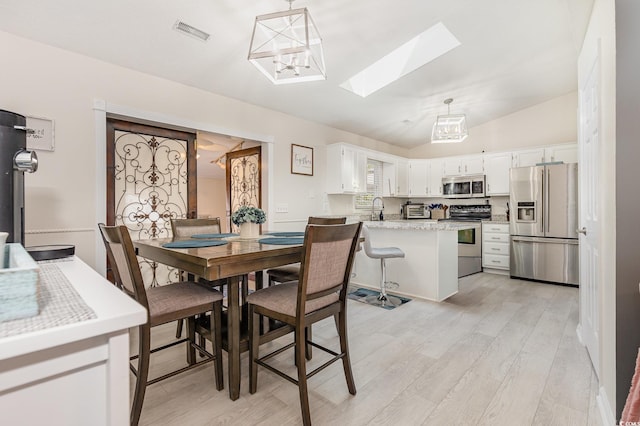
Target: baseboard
(606, 415)
(495, 271)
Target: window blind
(374, 186)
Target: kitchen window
(374, 185)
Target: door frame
(103, 109)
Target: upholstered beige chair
(321, 292)
(286, 273)
(183, 300)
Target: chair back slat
(185, 228)
(313, 220)
(124, 261)
(326, 261)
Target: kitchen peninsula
(429, 269)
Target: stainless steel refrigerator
(544, 222)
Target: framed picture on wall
(301, 160)
(40, 134)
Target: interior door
(589, 143)
(151, 179)
(244, 180)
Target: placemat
(59, 304)
(209, 236)
(286, 234)
(194, 243)
(281, 241)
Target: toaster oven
(415, 211)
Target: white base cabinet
(74, 374)
(495, 247)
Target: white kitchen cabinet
(347, 168)
(436, 173)
(402, 177)
(567, 153)
(495, 247)
(497, 173)
(418, 178)
(528, 157)
(470, 165)
(65, 372)
(389, 178)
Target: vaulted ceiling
(513, 53)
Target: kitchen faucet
(373, 204)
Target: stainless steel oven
(469, 240)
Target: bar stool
(382, 253)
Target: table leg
(233, 336)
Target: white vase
(249, 230)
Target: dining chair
(164, 304)
(321, 292)
(184, 229)
(286, 273)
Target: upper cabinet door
(436, 173)
(471, 165)
(567, 153)
(497, 173)
(528, 157)
(418, 178)
(402, 177)
(348, 169)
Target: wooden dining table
(231, 261)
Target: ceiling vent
(191, 31)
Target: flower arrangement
(248, 214)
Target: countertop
(416, 224)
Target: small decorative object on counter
(507, 212)
(3, 240)
(248, 219)
(19, 281)
(381, 215)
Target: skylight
(419, 51)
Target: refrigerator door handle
(544, 240)
(546, 199)
(540, 211)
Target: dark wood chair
(184, 229)
(164, 304)
(287, 273)
(321, 292)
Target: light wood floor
(501, 352)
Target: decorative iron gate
(148, 175)
(244, 179)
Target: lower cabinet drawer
(495, 261)
(492, 236)
(495, 248)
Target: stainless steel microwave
(463, 186)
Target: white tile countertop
(422, 225)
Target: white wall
(212, 195)
(602, 29)
(61, 197)
(551, 122)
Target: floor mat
(370, 297)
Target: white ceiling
(514, 53)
